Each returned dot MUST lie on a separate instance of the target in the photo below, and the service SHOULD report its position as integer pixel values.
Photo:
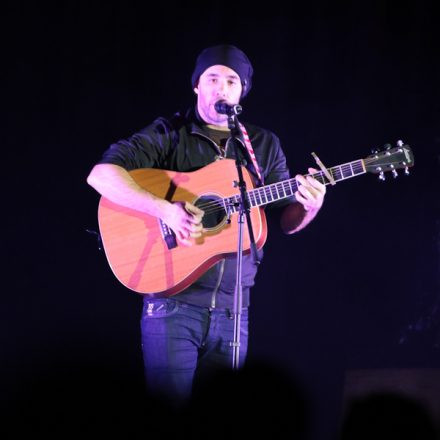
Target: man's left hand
(310, 192)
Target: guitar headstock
(390, 159)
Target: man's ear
(196, 90)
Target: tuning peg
(381, 176)
(375, 150)
(406, 168)
(387, 146)
(400, 143)
(393, 171)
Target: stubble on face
(217, 83)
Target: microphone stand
(243, 211)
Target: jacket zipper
(210, 141)
(217, 286)
(216, 146)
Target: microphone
(224, 108)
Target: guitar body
(136, 250)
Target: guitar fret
(295, 185)
(346, 172)
(331, 174)
(225, 206)
(263, 195)
(237, 203)
(349, 170)
(340, 172)
(269, 195)
(232, 204)
(287, 188)
(336, 173)
(359, 167)
(324, 178)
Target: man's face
(217, 83)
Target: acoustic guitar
(143, 252)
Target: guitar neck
(287, 188)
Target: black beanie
(229, 56)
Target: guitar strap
(250, 150)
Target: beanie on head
(229, 56)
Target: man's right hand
(185, 220)
(116, 184)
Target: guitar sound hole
(215, 213)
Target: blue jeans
(183, 344)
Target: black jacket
(181, 144)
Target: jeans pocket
(159, 308)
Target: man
(186, 336)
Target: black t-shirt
(219, 137)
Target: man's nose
(221, 88)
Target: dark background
(357, 289)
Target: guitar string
(264, 192)
(219, 205)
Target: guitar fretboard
(287, 188)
